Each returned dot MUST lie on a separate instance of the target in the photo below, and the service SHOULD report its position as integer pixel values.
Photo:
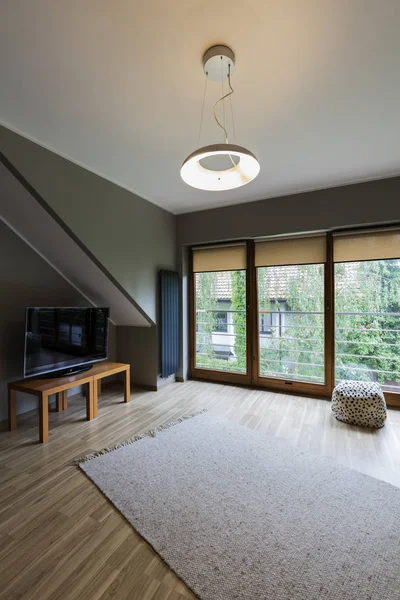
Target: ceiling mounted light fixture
(218, 65)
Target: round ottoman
(360, 403)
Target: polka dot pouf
(360, 403)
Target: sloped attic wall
(131, 237)
(26, 280)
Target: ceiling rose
(218, 65)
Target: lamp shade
(194, 174)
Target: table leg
(59, 401)
(44, 417)
(65, 399)
(127, 390)
(96, 398)
(99, 387)
(89, 400)
(12, 410)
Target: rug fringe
(136, 438)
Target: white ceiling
(117, 87)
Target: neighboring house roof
(278, 281)
(224, 286)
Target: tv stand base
(66, 372)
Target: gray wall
(132, 344)
(345, 206)
(26, 280)
(131, 237)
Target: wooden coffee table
(43, 388)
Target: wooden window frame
(252, 376)
(290, 386)
(210, 374)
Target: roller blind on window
(219, 258)
(300, 251)
(376, 245)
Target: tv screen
(61, 338)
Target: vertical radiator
(169, 322)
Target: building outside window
(266, 323)
(221, 322)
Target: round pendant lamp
(218, 64)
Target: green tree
(207, 312)
(206, 300)
(295, 346)
(239, 303)
(367, 343)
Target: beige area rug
(240, 515)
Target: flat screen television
(64, 340)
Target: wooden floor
(60, 538)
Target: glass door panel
(367, 322)
(291, 322)
(220, 321)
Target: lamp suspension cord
(231, 90)
(222, 93)
(230, 101)
(202, 111)
(221, 100)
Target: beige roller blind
(366, 246)
(219, 258)
(300, 251)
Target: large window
(299, 313)
(293, 297)
(220, 309)
(367, 309)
